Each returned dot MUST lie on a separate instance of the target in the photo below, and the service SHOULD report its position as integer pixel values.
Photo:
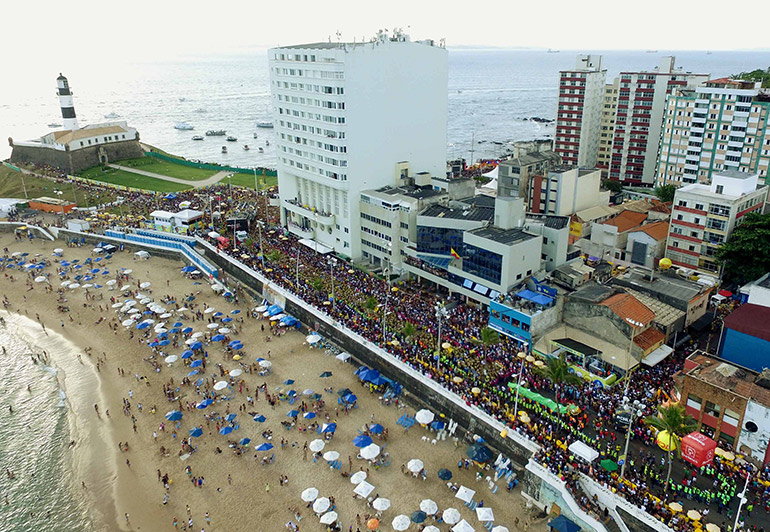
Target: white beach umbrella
(235, 372)
(415, 465)
(358, 477)
(127, 272)
(165, 315)
(463, 526)
(182, 310)
(328, 518)
(87, 285)
(212, 326)
(308, 391)
(196, 335)
(114, 305)
(430, 528)
(370, 452)
(363, 489)
(111, 282)
(321, 505)
(171, 359)
(209, 310)
(125, 287)
(401, 522)
(317, 445)
(312, 338)
(500, 528)
(484, 513)
(451, 516)
(145, 284)
(40, 279)
(465, 494)
(265, 364)
(129, 303)
(65, 284)
(381, 504)
(331, 455)
(221, 385)
(160, 330)
(97, 250)
(429, 506)
(424, 416)
(128, 323)
(309, 495)
(58, 250)
(74, 285)
(149, 320)
(190, 341)
(146, 301)
(224, 330)
(133, 311)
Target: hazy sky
(43, 32)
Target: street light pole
(332, 262)
(297, 282)
(518, 387)
(742, 497)
(635, 412)
(441, 313)
(261, 247)
(634, 325)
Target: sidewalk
(197, 184)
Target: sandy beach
(238, 492)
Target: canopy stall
(581, 450)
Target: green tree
(488, 336)
(612, 185)
(317, 284)
(665, 193)
(275, 256)
(408, 330)
(675, 421)
(746, 255)
(755, 75)
(371, 304)
(557, 371)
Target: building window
(693, 401)
(720, 189)
(712, 409)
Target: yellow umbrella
(727, 455)
(664, 441)
(446, 345)
(522, 355)
(395, 342)
(711, 527)
(475, 390)
(237, 357)
(525, 419)
(675, 506)
(530, 358)
(458, 380)
(694, 515)
(351, 271)
(539, 363)
(394, 289)
(719, 451)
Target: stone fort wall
(73, 162)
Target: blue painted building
(523, 314)
(746, 337)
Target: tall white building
(579, 115)
(347, 117)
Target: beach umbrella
(350, 398)
(381, 504)
(188, 269)
(266, 364)
(40, 279)
(209, 310)
(317, 445)
(173, 331)
(111, 282)
(221, 385)
(376, 429)
(401, 522)
(153, 344)
(328, 518)
(309, 495)
(143, 325)
(331, 455)
(418, 517)
(362, 441)
(308, 391)
(224, 330)
(58, 250)
(227, 320)
(187, 330)
(128, 323)
(87, 285)
(264, 447)
(164, 343)
(415, 465)
(197, 335)
(484, 513)
(193, 372)
(218, 337)
(145, 284)
(328, 428)
(292, 413)
(196, 363)
(218, 314)
(171, 359)
(187, 354)
(165, 315)
(259, 418)
(202, 404)
(190, 341)
(196, 346)
(430, 528)
(373, 524)
(479, 452)
(609, 465)
(235, 311)
(74, 285)
(197, 432)
(437, 425)
(463, 526)
(288, 381)
(675, 506)
(363, 489)
(308, 415)
(451, 516)
(174, 415)
(212, 326)
(358, 477)
(65, 284)
(325, 374)
(321, 505)
(444, 474)
(501, 528)
(465, 494)
(244, 441)
(424, 416)
(312, 338)
(370, 452)
(236, 372)
(711, 527)
(694, 515)
(125, 287)
(429, 506)
(224, 431)
(114, 305)
(230, 417)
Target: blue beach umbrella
(187, 330)
(234, 343)
(98, 286)
(350, 398)
(153, 344)
(177, 324)
(188, 269)
(187, 354)
(193, 372)
(376, 429)
(288, 381)
(236, 311)
(244, 441)
(227, 320)
(308, 415)
(264, 447)
(437, 425)
(225, 431)
(99, 259)
(329, 428)
(325, 374)
(198, 383)
(217, 314)
(230, 417)
(173, 331)
(196, 363)
(218, 337)
(419, 516)
(95, 270)
(164, 343)
(197, 432)
(259, 418)
(292, 393)
(362, 441)
(292, 413)
(142, 325)
(196, 346)
(444, 474)
(202, 405)
(174, 415)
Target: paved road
(200, 183)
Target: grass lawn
(150, 164)
(11, 187)
(247, 180)
(130, 179)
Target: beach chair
(338, 464)
(494, 489)
(489, 524)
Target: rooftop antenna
(473, 144)
(339, 36)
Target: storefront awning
(656, 356)
(315, 246)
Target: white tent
(581, 450)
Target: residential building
(579, 113)
(746, 337)
(609, 238)
(704, 217)
(720, 125)
(607, 126)
(639, 119)
(514, 174)
(346, 116)
(646, 244)
(757, 292)
(526, 314)
(563, 191)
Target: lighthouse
(65, 102)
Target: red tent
(698, 449)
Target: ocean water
(34, 442)
(490, 93)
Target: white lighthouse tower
(65, 102)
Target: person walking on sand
(267, 487)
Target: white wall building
(563, 191)
(346, 115)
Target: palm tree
(488, 336)
(557, 371)
(317, 284)
(408, 330)
(274, 256)
(371, 304)
(674, 420)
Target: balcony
(322, 218)
(301, 231)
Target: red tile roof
(657, 230)
(649, 337)
(628, 307)
(627, 220)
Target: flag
(454, 253)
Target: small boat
(112, 115)
(200, 110)
(246, 147)
(652, 51)
(265, 125)
(183, 99)
(551, 51)
(261, 149)
(224, 149)
(184, 126)
(216, 133)
(230, 138)
(54, 124)
(197, 137)
(255, 135)
(267, 143)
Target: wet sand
(234, 490)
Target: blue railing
(168, 243)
